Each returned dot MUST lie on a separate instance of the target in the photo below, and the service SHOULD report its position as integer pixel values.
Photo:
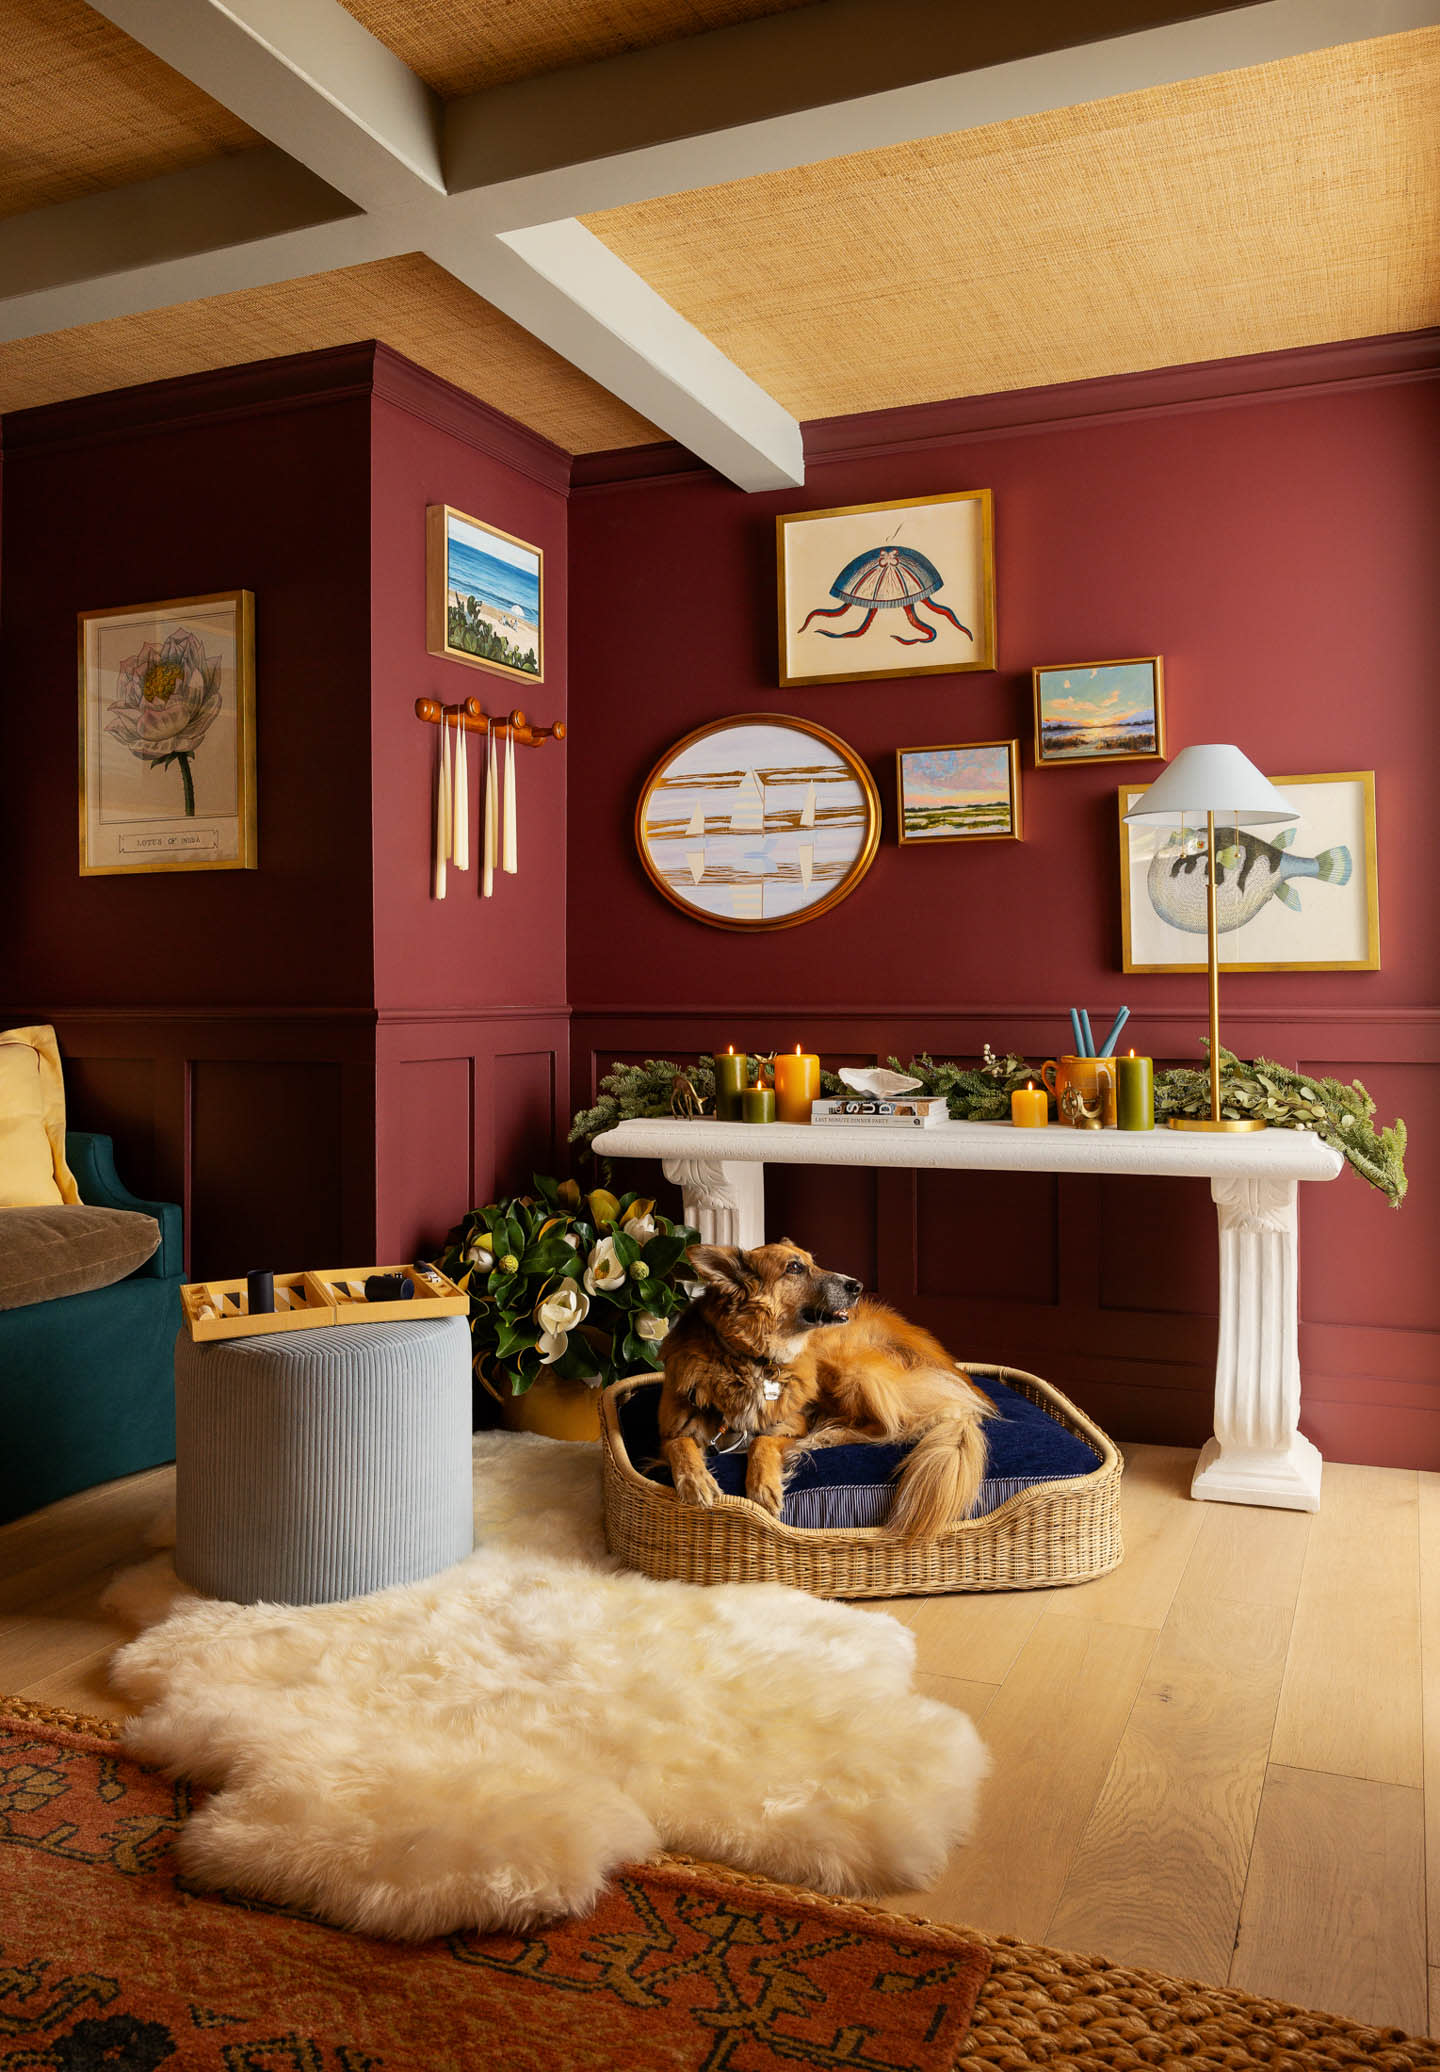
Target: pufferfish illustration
(885, 579)
(1249, 872)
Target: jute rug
(108, 1961)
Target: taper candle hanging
(443, 791)
(508, 843)
(460, 814)
(489, 836)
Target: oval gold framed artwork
(759, 821)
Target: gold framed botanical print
(760, 821)
(905, 588)
(167, 736)
(1304, 897)
(966, 791)
(484, 596)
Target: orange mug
(1094, 1079)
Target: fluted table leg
(724, 1200)
(1258, 1455)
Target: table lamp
(1219, 782)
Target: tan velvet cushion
(63, 1250)
(33, 1172)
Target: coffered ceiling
(710, 219)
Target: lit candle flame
(797, 1050)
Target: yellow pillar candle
(758, 1104)
(797, 1084)
(1030, 1107)
(1135, 1093)
(731, 1073)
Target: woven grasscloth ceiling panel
(408, 303)
(1289, 204)
(459, 46)
(85, 108)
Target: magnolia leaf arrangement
(1283, 1098)
(582, 1286)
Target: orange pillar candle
(1030, 1107)
(731, 1073)
(797, 1084)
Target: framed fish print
(760, 821)
(484, 601)
(1298, 898)
(1100, 712)
(896, 589)
(167, 736)
(969, 792)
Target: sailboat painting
(758, 822)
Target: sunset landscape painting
(1100, 712)
(968, 791)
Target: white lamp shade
(1213, 778)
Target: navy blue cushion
(851, 1485)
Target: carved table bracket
(724, 1201)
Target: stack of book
(897, 1112)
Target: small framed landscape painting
(484, 601)
(969, 792)
(896, 589)
(759, 821)
(1303, 897)
(1100, 712)
(167, 736)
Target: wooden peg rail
(476, 720)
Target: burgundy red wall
(1276, 542)
(308, 1056)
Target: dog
(798, 1357)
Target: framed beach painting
(905, 588)
(967, 792)
(760, 821)
(167, 736)
(484, 596)
(1100, 712)
(1303, 897)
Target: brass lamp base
(1191, 1122)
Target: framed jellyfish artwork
(896, 589)
(760, 821)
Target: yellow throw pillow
(33, 1172)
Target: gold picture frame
(167, 736)
(813, 850)
(1088, 691)
(936, 810)
(498, 582)
(948, 543)
(1345, 819)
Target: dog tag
(772, 1390)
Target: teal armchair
(87, 1382)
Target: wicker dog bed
(1053, 1532)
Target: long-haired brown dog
(794, 1355)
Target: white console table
(1258, 1455)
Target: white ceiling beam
(307, 76)
(568, 289)
(769, 95)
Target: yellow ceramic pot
(555, 1409)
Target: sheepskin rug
(480, 1750)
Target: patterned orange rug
(107, 1961)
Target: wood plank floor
(1222, 1760)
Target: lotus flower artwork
(169, 697)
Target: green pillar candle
(1135, 1093)
(731, 1072)
(759, 1103)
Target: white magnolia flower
(653, 1328)
(641, 1228)
(562, 1309)
(480, 1253)
(603, 1270)
(551, 1345)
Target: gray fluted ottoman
(314, 1465)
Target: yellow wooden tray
(221, 1309)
